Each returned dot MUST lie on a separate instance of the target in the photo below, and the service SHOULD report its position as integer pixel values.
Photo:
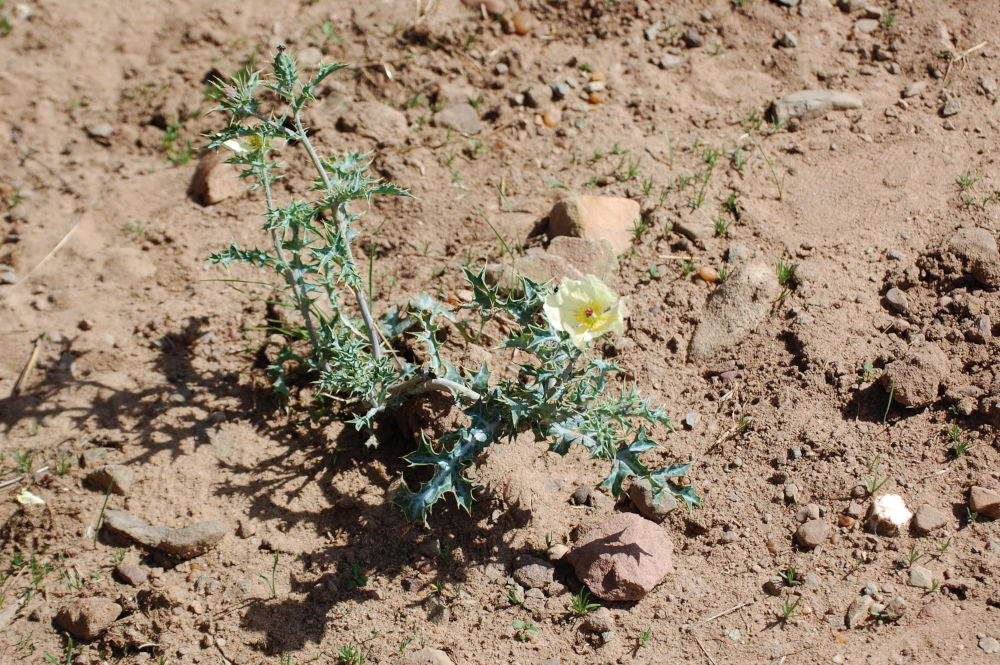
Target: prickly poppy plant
(561, 393)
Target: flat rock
(857, 613)
(697, 226)
(977, 249)
(590, 257)
(117, 476)
(185, 542)
(928, 518)
(897, 300)
(915, 378)
(641, 494)
(806, 104)
(624, 558)
(131, 573)
(215, 181)
(533, 573)
(915, 88)
(91, 458)
(984, 501)
(536, 265)
(989, 644)
(87, 618)
(599, 621)
(425, 656)
(596, 217)
(462, 118)
(812, 533)
(375, 121)
(734, 309)
(921, 577)
(866, 25)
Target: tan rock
(215, 181)
(596, 217)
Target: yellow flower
(248, 144)
(586, 309)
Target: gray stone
(691, 419)
(624, 558)
(950, 107)
(895, 609)
(667, 60)
(788, 40)
(857, 613)
(100, 130)
(977, 249)
(538, 95)
(989, 644)
(734, 310)
(691, 38)
(921, 577)
(981, 330)
(117, 476)
(928, 518)
(581, 495)
(806, 104)
(915, 378)
(988, 84)
(462, 118)
(897, 300)
(915, 88)
(866, 25)
(641, 494)
(87, 618)
(596, 217)
(599, 621)
(8, 276)
(185, 542)
(812, 533)
(91, 458)
(425, 656)
(533, 573)
(738, 253)
(984, 501)
(131, 573)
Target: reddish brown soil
(147, 353)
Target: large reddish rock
(624, 558)
(609, 217)
(87, 618)
(915, 378)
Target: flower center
(589, 312)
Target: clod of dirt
(734, 310)
(915, 378)
(596, 217)
(215, 181)
(641, 494)
(928, 518)
(921, 577)
(533, 573)
(117, 476)
(426, 656)
(857, 613)
(977, 249)
(806, 104)
(624, 558)
(94, 457)
(186, 542)
(87, 618)
(985, 502)
(599, 621)
(462, 118)
(812, 533)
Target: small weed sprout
(526, 631)
(790, 576)
(959, 444)
(358, 578)
(873, 483)
(639, 227)
(582, 605)
(867, 373)
(788, 606)
(722, 227)
(785, 271)
(970, 515)
(351, 654)
(944, 547)
(23, 461)
(645, 636)
(117, 557)
(179, 152)
(274, 572)
(558, 392)
(913, 556)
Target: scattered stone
(857, 613)
(989, 644)
(101, 131)
(593, 257)
(131, 573)
(950, 107)
(977, 249)
(215, 181)
(493, 7)
(538, 95)
(185, 542)
(376, 121)
(697, 226)
(691, 38)
(599, 621)
(91, 458)
(425, 656)
(812, 533)
(581, 495)
(774, 585)
(607, 637)
(895, 610)
(806, 104)
(624, 558)
(413, 584)
(737, 253)
(641, 494)
(984, 501)
(533, 573)
(552, 116)
(87, 618)
(888, 514)
(667, 60)
(119, 474)
(915, 88)
(981, 330)
(928, 518)
(921, 578)
(788, 40)
(557, 552)
(691, 419)
(915, 378)
(897, 300)
(866, 25)
(523, 22)
(596, 217)
(735, 309)
(462, 118)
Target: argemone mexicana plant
(561, 393)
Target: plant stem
(359, 296)
(419, 385)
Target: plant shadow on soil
(157, 420)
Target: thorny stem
(421, 384)
(289, 277)
(362, 302)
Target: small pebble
(524, 22)
(709, 274)
(552, 116)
